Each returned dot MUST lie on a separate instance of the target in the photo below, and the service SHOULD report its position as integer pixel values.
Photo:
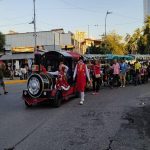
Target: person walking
(137, 70)
(2, 84)
(96, 77)
(116, 72)
(80, 74)
(123, 71)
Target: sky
(72, 15)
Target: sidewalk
(16, 80)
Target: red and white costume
(81, 72)
(43, 69)
(96, 69)
(61, 82)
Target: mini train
(43, 86)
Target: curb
(15, 81)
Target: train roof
(67, 53)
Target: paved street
(116, 119)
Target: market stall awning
(17, 56)
(22, 49)
(126, 57)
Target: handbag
(97, 75)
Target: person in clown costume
(80, 73)
(61, 83)
(62, 69)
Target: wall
(43, 38)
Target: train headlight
(34, 86)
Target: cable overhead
(77, 7)
(16, 18)
(129, 17)
(13, 24)
(93, 11)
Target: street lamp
(107, 13)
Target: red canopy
(74, 54)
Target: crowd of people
(93, 73)
(117, 73)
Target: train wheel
(58, 99)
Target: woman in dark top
(2, 68)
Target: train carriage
(41, 85)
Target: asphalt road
(116, 119)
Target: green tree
(132, 41)
(101, 49)
(114, 43)
(142, 44)
(111, 44)
(142, 38)
(2, 41)
(92, 49)
(146, 36)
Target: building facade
(19, 47)
(87, 43)
(146, 4)
(51, 40)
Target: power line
(77, 7)
(13, 24)
(94, 11)
(129, 17)
(15, 18)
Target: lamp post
(107, 13)
(34, 22)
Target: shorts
(122, 73)
(1, 82)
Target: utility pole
(34, 22)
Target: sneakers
(81, 102)
(5, 92)
(93, 93)
(123, 86)
(96, 93)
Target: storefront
(16, 61)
